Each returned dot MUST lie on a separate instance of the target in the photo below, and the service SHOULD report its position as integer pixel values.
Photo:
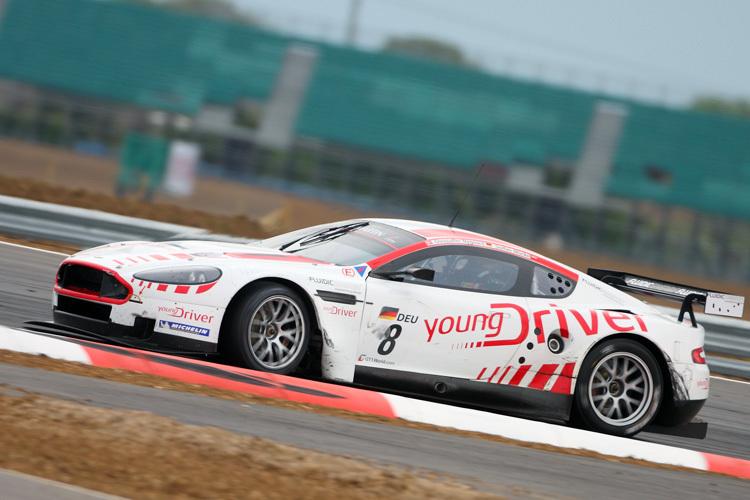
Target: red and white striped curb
(371, 402)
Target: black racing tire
(269, 330)
(619, 388)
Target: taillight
(698, 356)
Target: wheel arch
(239, 296)
(667, 391)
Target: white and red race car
(418, 308)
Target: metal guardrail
(87, 228)
(80, 226)
(734, 343)
(727, 366)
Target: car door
(467, 322)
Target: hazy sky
(663, 50)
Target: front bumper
(94, 317)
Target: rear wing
(718, 303)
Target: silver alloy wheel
(620, 388)
(276, 332)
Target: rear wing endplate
(722, 304)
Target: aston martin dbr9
(416, 308)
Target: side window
(547, 283)
(469, 272)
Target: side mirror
(419, 273)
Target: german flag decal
(389, 313)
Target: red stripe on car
(562, 384)
(542, 376)
(519, 375)
(205, 288)
(453, 233)
(503, 375)
(397, 253)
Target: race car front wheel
(270, 330)
(619, 388)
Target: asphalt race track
(26, 278)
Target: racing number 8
(389, 342)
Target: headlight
(193, 275)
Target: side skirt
(468, 393)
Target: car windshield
(343, 243)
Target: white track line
(32, 248)
(730, 379)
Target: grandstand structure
(592, 171)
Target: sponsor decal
(179, 312)
(491, 324)
(389, 313)
(379, 234)
(340, 311)
(373, 231)
(350, 286)
(476, 243)
(361, 270)
(368, 359)
(589, 322)
(724, 304)
(181, 327)
(348, 272)
(321, 281)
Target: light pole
(351, 29)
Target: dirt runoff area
(141, 455)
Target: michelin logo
(184, 328)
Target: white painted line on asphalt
(32, 248)
(730, 379)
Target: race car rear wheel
(270, 330)
(619, 388)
